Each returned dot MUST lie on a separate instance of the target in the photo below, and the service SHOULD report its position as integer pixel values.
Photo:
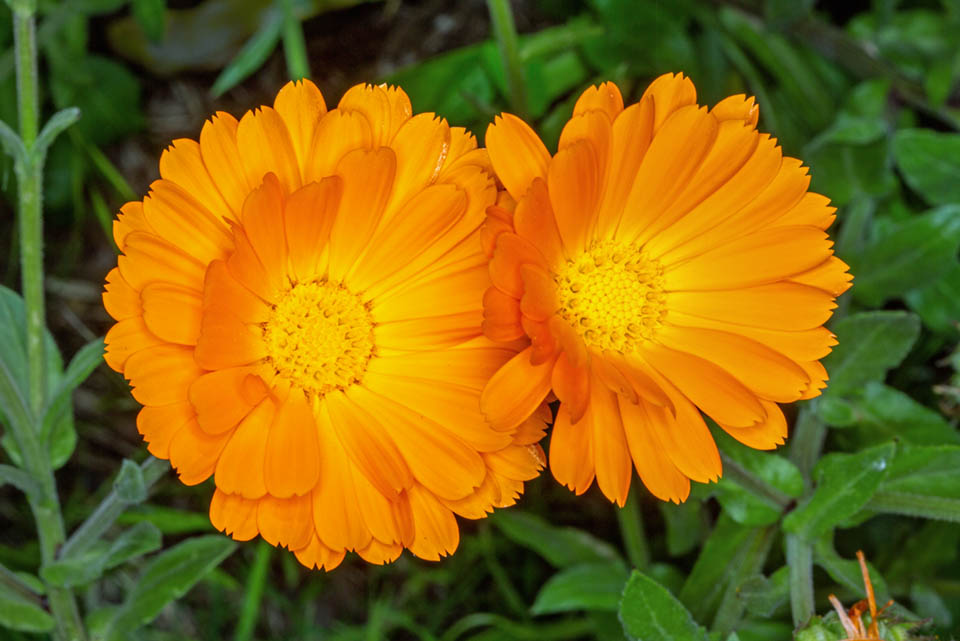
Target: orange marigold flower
(667, 260)
(299, 310)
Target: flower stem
(733, 471)
(800, 562)
(111, 507)
(45, 503)
(505, 31)
(631, 529)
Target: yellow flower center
(612, 295)
(320, 337)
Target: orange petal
(337, 134)
(572, 451)
(721, 216)
(301, 106)
(162, 374)
(285, 521)
(129, 220)
(293, 454)
(782, 252)
(240, 468)
(535, 222)
(420, 146)
(317, 555)
(708, 386)
(611, 452)
(375, 509)
(159, 424)
(439, 460)
(369, 445)
(574, 184)
(119, 299)
(501, 316)
(149, 259)
(539, 300)
(336, 515)
(308, 218)
(222, 158)
(263, 225)
(181, 163)
(832, 276)
(515, 391)
(674, 156)
(368, 178)
(670, 93)
(385, 108)
(219, 400)
(430, 332)
(125, 339)
(172, 313)
(226, 341)
(767, 373)
(266, 147)
(517, 153)
(572, 386)
(512, 252)
(194, 453)
(781, 306)
(446, 291)
(186, 223)
(379, 553)
(606, 98)
(221, 289)
(738, 107)
(425, 217)
(453, 407)
(543, 342)
(766, 435)
(247, 269)
(658, 473)
(234, 515)
(630, 138)
(803, 345)
(437, 533)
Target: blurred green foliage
(866, 93)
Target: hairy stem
(505, 31)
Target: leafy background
(865, 92)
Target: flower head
(299, 306)
(667, 261)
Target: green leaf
(294, 45)
(881, 413)
(847, 572)
(928, 470)
(742, 503)
(869, 343)
(106, 92)
(55, 126)
(930, 163)
(151, 14)
(58, 427)
(129, 484)
(253, 54)
(561, 546)
(685, 525)
(763, 596)
(844, 484)
(589, 586)
(167, 577)
(649, 612)
(18, 613)
(19, 479)
(719, 560)
(88, 566)
(134, 542)
(918, 250)
(938, 302)
(167, 519)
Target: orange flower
(299, 309)
(667, 260)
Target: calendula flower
(667, 261)
(299, 306)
